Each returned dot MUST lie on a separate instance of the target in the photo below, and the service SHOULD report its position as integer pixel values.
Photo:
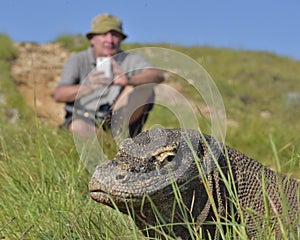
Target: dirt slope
(36, 72)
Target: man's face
(107, 44)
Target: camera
(103, 64)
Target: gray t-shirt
(80, 64)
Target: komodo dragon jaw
(148, 167)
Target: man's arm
(69, 93)
(148, 75)
(66, 93)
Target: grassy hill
(44, 184)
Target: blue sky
(260, 25)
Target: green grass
(7, 50)
(43, 183)
(44, 187)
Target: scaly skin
(157, 163)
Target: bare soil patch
(36, 72)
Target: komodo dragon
(157, 163)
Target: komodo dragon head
(151, 166)
(173, 178)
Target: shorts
(105, 120)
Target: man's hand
(120, 77)
(96, 80)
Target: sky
(258, 25)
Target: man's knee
(134, 104)
(82, 128)
(135, 97)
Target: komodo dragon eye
(166, 153)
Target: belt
(87, 114)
